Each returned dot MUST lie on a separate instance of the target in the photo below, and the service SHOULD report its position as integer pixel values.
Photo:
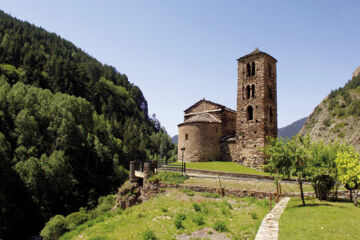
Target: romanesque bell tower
(256, 106)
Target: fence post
(270, 202)
(132, 172)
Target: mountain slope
(69, 126)
(291, 129)
(337, 117)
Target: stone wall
(228, 121)
(229, 150)
(202, 143)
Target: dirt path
(269, 228)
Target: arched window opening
(186, 136)
(270, 92)
(250, 113)
(271, 114)
(253, 69)
(247, 92)
(248, 70)
(253, 91)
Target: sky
(180, 51)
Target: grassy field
(247, 185)
(320, 220)
(224, 167)
(175, 212)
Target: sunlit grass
(242, 217)
(224, 167)
(320, 220)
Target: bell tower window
(248, 70)
(250, 113)
(248, 92)
(253, 69)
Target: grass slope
(320, 220)
(224, 167)
(241, 216)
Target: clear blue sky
(179, 51)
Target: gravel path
(269, 228)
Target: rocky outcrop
(337, 117)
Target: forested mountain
(292, 129)
(337, 117)
(69, 126)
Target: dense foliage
(69, 126)
(305, 160)
(348, 166)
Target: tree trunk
(355, 196)
(351, 197)
(302, 192)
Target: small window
(248, 70)
(186, 136)
(253, 91)
(250, 113)
(248, 92)
(253, 69)
(271, 114)
(270, 92)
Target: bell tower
(256, 106)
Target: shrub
(198, 219)
(178, 223)
(148, 235)
(75, 219)
(220, 226)
(54, 228)
(188, 192)
(196, 207)
(254, 215)
(178, 220)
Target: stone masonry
(211, 131)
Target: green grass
(181, 216)
(247, 185)
(320, 220)
(224, 167)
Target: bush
(54, 228)
(75, 219)
(196, 207)
(178, 220)
(254, 215)
(188, 192)
(148, 235)
(220, 226)
(322, 183)
(178, 223)
(198, 219)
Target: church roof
(203, 117)
(210, 102)
(256, 52)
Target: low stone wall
(235, 175)
(227, 192)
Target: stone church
(211, 131)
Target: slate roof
(203, 117)
(256, 52)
